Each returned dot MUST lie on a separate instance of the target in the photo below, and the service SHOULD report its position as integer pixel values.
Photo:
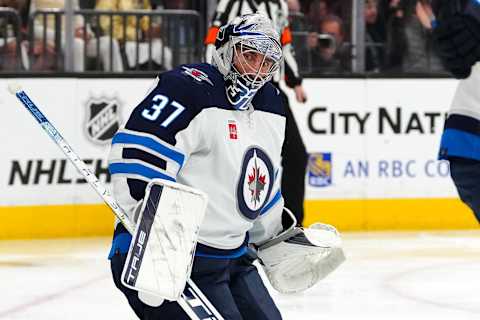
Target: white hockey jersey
(461, 136)
(186, 131)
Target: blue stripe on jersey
(121, 243)
(149, 143)
(234, 254)
(205, 251)
(272, 202)
(136, 168)
(457, 143)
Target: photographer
(327, 48)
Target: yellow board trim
(55, 221)
(391, 214)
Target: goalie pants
(466, 176)
(233, 286)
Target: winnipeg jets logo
(197, 75)
(255, 183)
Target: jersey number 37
(159, 103)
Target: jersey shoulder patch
(205, 83)
(202, 74)
(196, 74)
(193, 84)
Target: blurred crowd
(396, 34)
(34, 38)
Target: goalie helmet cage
(192, 300)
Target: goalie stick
(192, 300)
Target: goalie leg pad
(160, 257)
(142, 307)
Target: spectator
(342, 9)
(410, 41)
(299, 26)
(82, 41)
(176, 4)
(396, 40)
(296, 18)
(127, 34)
(327, 49)
(374, 38)
(87, 4)
(180, 33)
(10, 38)
(420, 55)
(293, 7)
(317, 11)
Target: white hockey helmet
(248, 37)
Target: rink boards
(372, 143)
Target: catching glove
(297, 259)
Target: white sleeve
(467, 96)
(143, 149)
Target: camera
(326, 40)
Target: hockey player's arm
(219, 19)
(155, 142)
(294, 80)
(292, 74)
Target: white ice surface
(408, 276)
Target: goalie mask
(247, 53)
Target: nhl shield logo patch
(255, 183)
(102, 120)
